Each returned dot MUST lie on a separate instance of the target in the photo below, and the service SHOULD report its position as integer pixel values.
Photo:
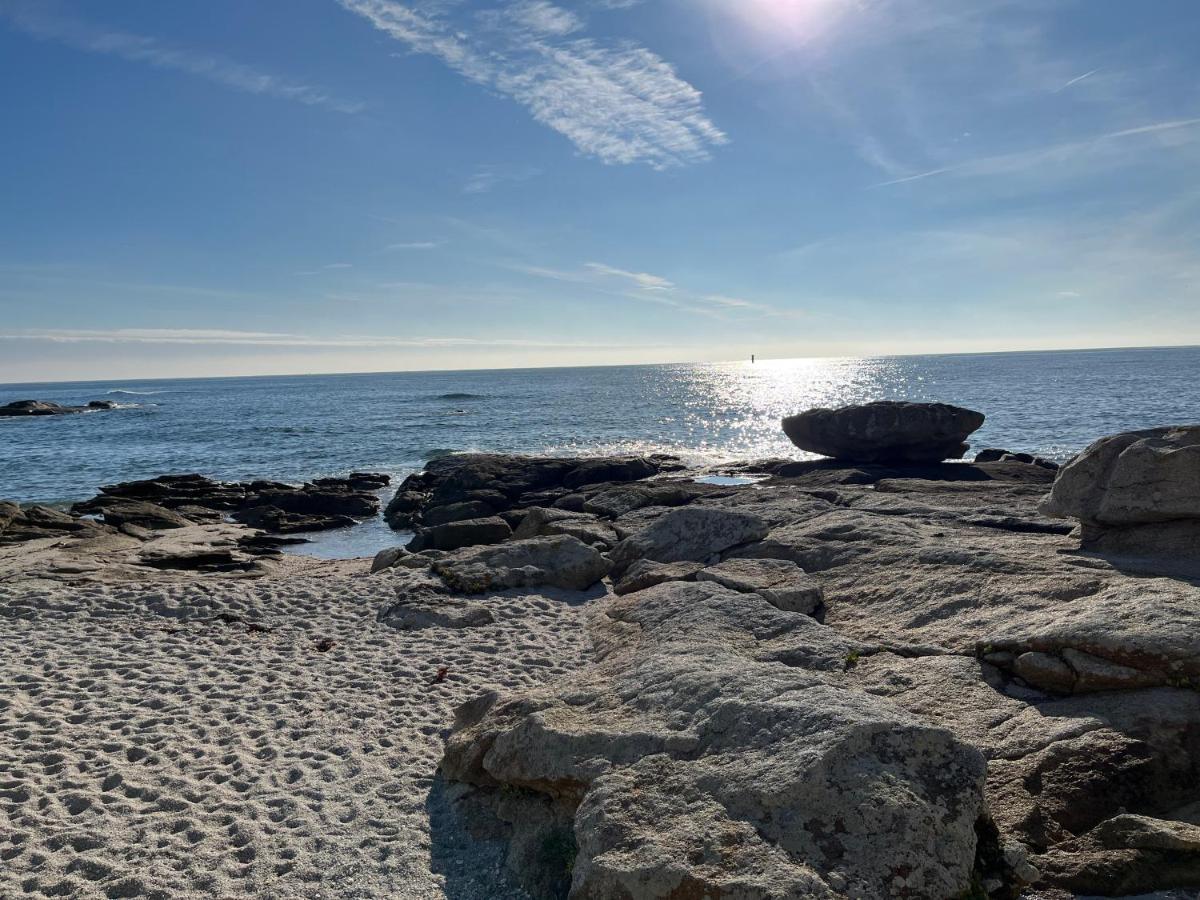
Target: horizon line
(745, 360)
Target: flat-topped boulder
(885, 431)
(1136, 493)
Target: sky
(293, 186)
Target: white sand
(148, 749)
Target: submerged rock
(45, 408)
(885, 431)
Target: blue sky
(224, 187)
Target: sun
(788, 19)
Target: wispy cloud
(206, 336)
(328, 267)
(618, 102)
(1007, 163)
(36, 21)
(646, 287)
(1078, 78)
(489, 176)
(414, 245)
(643, 280)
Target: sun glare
(789, 19)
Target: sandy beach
(190, 738)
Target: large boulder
(688, 762)
(1136, 493)
(558, 561)
(885, 431)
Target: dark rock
(101, 404)
(506, 482)
(279, 521)
(993, 454)
(457, 512)
(885, 431)
(596, 471)
(403, 506)
(142, 514)
(30, 523)
(455, 535)
(37, 408)
(318, 505)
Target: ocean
(300, 427)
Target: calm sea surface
(295, 428)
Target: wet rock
(508, 482)
(39, 408)
(320, 505)
(885, 431)
(146, 515)
(559, 561)
(455, 535)
(994, 454)
(457, 512)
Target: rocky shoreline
(881, 675)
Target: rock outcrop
(479, 485)
(1135, 494)
(559, 561)
(995, 454)
(863, 626)
(21, 408)
(276, 507)
(691, 763)
(885, 431)
(693, 533)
